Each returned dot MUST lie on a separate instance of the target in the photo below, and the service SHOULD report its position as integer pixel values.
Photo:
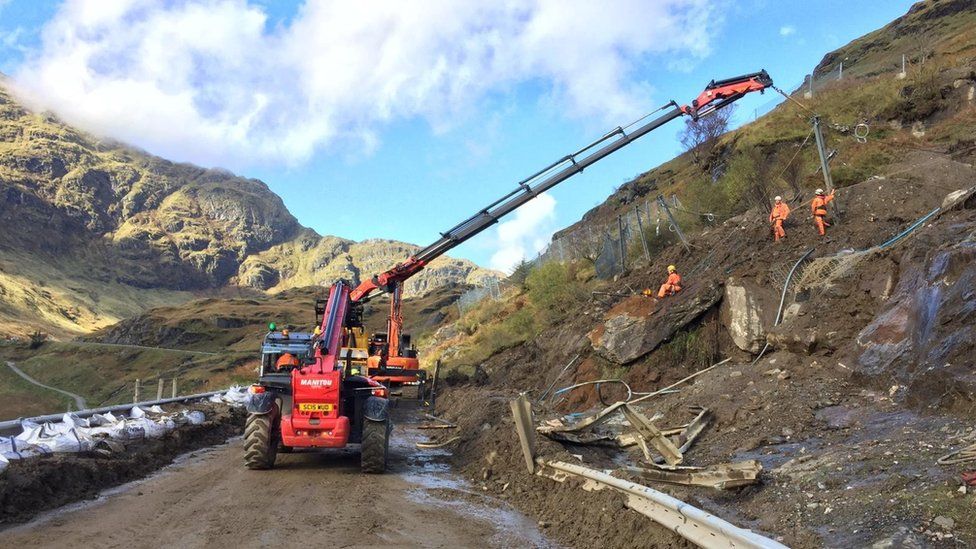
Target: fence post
(809, 93)
(620, 235)
(674, 222)
(135, 393)
(640, 229)
(433, 387)
(902, 74)
(822, 150)
(840, 73)
(159, 390)
(174, 387)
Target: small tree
(585, 245)
(700, 136)
(520, 273)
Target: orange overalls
(779, 214)
(672, 286)
(819, 209)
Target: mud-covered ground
(30, 486)
(847, 427)
(843, 466)
(317, 498)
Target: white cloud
(525, 234)
(212, 81)
(787, 30)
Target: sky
(412, 114)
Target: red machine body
(317, 416)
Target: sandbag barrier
(87, 430)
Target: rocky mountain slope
(92, 231)
(852, 398)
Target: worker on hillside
(673, 284)
(287, 361)
(819, 209)
(779, 214)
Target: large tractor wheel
(375, 446)
(260, 441)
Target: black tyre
(375, 446)
(261, 441)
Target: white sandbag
(194, 417)
(127, 430)
(156, 409)
(3, 464)
(75, 421)
(72, 441)
(99, 420)
(31, 431)
(234, 395)
(137, 412)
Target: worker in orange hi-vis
(286, 361)
(779, 214)
(673, 285)
(819, 209)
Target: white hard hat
(778, 198)
(819, 191)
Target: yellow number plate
(314, 407)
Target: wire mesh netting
(824, 271)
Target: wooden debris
(429, 445)
(522, 413)
(721, 477)
(648, 433)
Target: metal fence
(899, 66)
(491, 287)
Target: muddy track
(209, 499)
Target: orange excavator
(323, 399)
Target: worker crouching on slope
(673, 285)
(819, 209)
(779, 214)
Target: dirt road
(79, 400)
(209, 499)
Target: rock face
(747, 310)
(86, 216)
(636, 326)
(926, 337)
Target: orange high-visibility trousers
(778, 231)
(818, 221)
(668, 289)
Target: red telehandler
(318, 399)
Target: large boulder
(638, 325)
(748, 310)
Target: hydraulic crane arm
(717, 94)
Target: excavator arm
(717, 94)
